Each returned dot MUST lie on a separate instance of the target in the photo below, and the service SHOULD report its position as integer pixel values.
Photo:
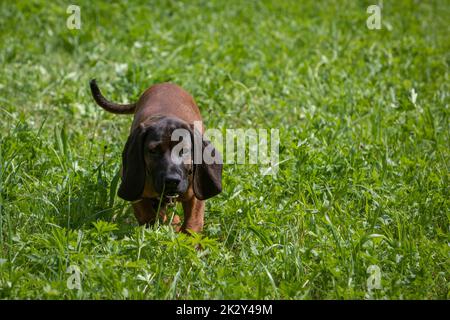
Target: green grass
(365, 174)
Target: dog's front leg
(144, 212)
(194, 211)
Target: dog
(151, 176)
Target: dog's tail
(107, 105)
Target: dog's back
(166, 99)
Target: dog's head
(152, 158)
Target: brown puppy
(151, 175)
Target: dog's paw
(176, 220)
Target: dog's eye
(154, 151)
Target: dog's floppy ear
(133, 166)
(207, 180)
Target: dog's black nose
(171, 183)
